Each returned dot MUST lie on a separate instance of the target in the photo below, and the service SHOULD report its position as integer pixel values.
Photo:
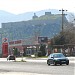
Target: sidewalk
(72, 59)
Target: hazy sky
(21, 6)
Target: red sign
(5, 49)
(15, 42)
(18, 41)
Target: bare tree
(68, 32)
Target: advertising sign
(4, 47)
(42, 39)
(4, 40)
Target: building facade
(27, 47)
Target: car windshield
(58, 55)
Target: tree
(68, 35)
(59, 39)
(71, 17)
(43, 49)
(15, 51)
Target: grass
(20, 60)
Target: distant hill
(45, 25)
(8, 17)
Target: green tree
(15, 51)
(43, 49)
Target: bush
(39, 54)
(42, 49)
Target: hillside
(44, 25)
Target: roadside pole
(22, 55)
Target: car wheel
(48, 62)
(55, 63)
(67, 63)
(60, 64)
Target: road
(36, 66)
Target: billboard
(42, 39)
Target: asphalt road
(37, 67)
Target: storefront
(23, 46)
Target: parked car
(57, 58)
(10, 57)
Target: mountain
(9, 17)
(45, 25)
(6, 17)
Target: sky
(22, 6)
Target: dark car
(57, 58)
(11, 57)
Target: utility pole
(62, 34)
(62, 18)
